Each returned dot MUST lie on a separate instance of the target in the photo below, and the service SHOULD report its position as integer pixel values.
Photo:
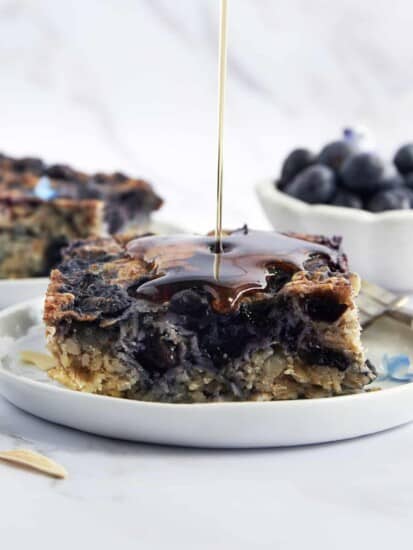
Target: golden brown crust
(339, 286)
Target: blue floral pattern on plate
(396, 368)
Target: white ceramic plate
(14, 291)
(202, 425)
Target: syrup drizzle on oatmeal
(178, 262)
(222, 74)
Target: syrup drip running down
(178, 262)
(222, 73)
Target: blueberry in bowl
(344, 197)
(334, 154)
(363, 173)
(345, 174)
(297, 161)
(349, 189)
(316, 184)
(403, 159)
(390, 199)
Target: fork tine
(364, 319)
(369, 309)
(370, 305)
(378, 293)
(374, 301)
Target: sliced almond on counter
(34, 460)
(41, 360)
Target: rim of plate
(318, 401)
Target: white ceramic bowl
(379, 246)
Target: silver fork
(374, 302)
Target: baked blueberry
(404, 159)
(296, 162)
(60, 171)
(343, 197)
(335, 153)
(120, 177)
(315, 185)
(390, 199)
(188, 301)
(363, 172)
(28, 164)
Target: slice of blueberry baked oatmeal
(43, 207)
(166, 319)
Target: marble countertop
(353, 494)
(131, 85)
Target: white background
(131, 85)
